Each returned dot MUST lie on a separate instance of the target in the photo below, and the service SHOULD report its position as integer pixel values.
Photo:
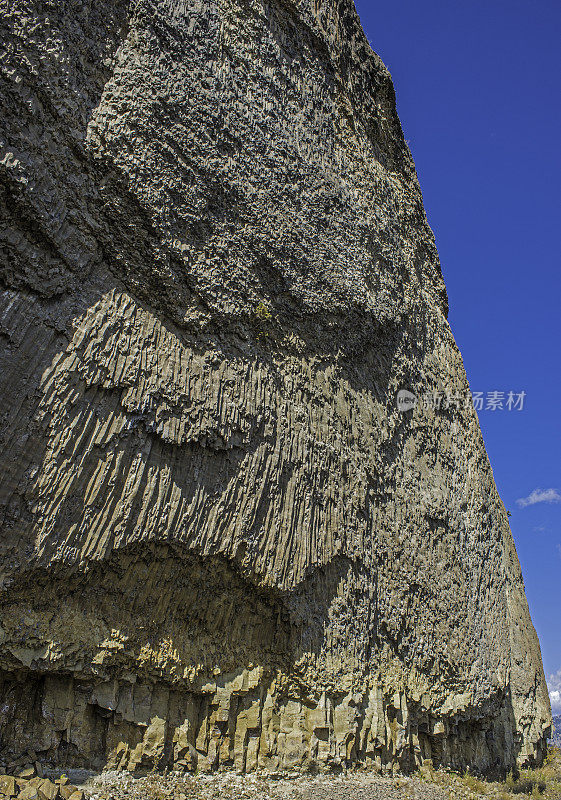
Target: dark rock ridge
(222, 543)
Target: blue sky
(477, 87)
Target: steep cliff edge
(221, 541)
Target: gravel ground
(230, 786)
(426, 784)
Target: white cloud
(539, 496)
(554, 686)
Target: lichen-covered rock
(221, 542)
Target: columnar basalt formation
(221, 541)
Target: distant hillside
(556, 735)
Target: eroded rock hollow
(221, 541)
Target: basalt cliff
(221, 541)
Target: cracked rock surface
(222, 544)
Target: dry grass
(543, 783)
(546, 780)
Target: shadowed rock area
(221, 542)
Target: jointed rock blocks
(245, 720)
(222, 543)
(33, 787)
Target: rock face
(221, 541)
(556, 731)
